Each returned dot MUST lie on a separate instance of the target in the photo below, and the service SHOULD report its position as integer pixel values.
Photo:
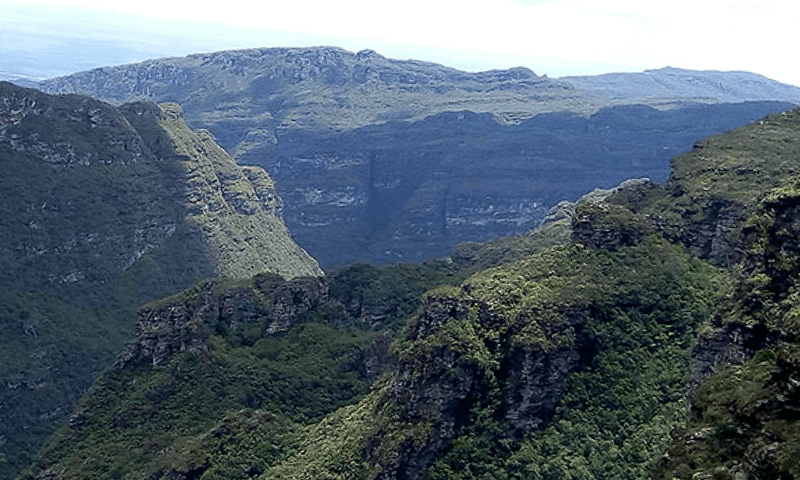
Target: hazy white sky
(550, 37)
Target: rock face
(409, 191)
(105, 208)
(727, 345)
(443, 384)
(536, 380)
(294, 298)
(378, 159)
(237, 208)
(609, 225)
(185, 324)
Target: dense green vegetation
(639, 324)
(743, 421)
(616, 413)
(93, 223)
(301, 375)
(147, 418)
(67, 296)
(565, 353)
(291, 379)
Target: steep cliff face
(377, 158)
(185, 325)
(235, 207)
(105, 208)
(408, 191)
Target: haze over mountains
(375, 164)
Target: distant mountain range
(377, 159)
(668, 84)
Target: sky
(43, 38)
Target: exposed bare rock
(292, 299)
(184, 323)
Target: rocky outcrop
(727, 345)
(440, 384)
(454, 350)
(610, 223)
(535, 377)
(185, 323)
(294, 298)
(245, 235)
(711, 231)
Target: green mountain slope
(744, 420)
(103, 209)
(495, 354)
(572, 352)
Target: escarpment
(106, 208)
(377, 159)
